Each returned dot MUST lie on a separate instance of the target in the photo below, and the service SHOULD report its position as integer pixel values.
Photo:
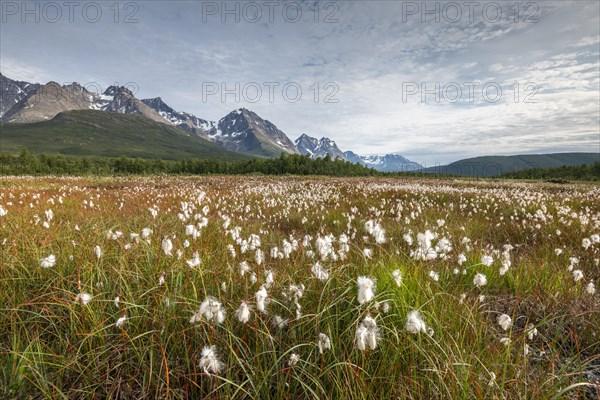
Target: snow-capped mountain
(241, 130)
(244, 131)
(183, 120)
(124, 102)
(384, 163)
(46, 101)
(13, 92)
(316, 148)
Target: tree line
(27, 163)
(589, 172)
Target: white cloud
(369, 53)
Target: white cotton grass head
(279, 322)
(244, 268)
(211, 309)
(361, 338)
(487, 260)
(98, 252)
(577, 275)
(531, 331)
(243, 312)
(323, 343)
(590, 288)
(121, 321)
(415, 323)
(269, 279)
(319, 272)
(479, 280)
(167, 246)
(366, 288)
(48, 262)
(385, 307)
(194, 261)
(505, 321)
(492, 380)
(294, 358)
(397, 275)
(209, 361)
(84, 298)
(504, 268)
(261, 297)
(367, 334)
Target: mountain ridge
(241, 130)
(492, 166)
(244, 131)
(384, 163)
(12, 92)
(318, 148)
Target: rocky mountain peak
(244, 131)
(318, 148)
(116, 90)
(183, 120)
(12, 92)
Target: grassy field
(293, 288)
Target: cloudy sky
(435, 81)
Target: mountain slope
(487, 166)
(12, 92)
(183, 120)
(124, 102)
(240, 131)
(245, 132)
(384, 163)
(315, 148)
(47, 101)
(99, 133)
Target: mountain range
(241, 131)
(69, 119)
(384, 163)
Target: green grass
(53, 347)
(97, 133)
